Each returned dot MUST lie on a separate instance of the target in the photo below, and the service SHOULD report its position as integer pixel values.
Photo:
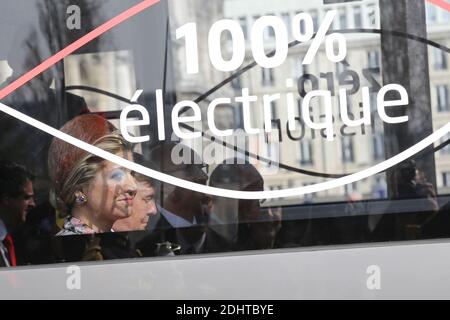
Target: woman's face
(110, 194)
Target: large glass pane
(224, 99)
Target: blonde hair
(88, 166)
(83, 170)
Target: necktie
(9, 244)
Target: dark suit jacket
(163, 232)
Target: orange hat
(63, 156)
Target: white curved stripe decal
(435, 136)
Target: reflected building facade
(354, 149)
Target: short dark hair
(139, 159)
(13, 178)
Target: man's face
(19, 206)
(144, 207)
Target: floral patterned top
(74, 226)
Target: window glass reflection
(60, 204)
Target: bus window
(253, 117)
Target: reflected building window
(374, 59)
(348, 154)
(442, 98)
(305, 68)
(269, 32)
(342, 18)
(236, 83)
(357, 17)
(373, 101)
(268, 79)
(297, 69)
(315, 17)
(350, 112)
(272, 153)
(340, 67)
(378, 146)
(112, 71)
(306, 152)
(446, 179)
(440, 59)
(273, 109)
(287, 22)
